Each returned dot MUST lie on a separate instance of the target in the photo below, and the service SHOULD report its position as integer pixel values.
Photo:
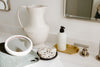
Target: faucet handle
(84, 52)
(98, 56)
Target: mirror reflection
(83, 9)
(4, 5)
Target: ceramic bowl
(20, 53)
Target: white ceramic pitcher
(36, 28)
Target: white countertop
(65, 60)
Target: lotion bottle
(61, 44)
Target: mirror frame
(64, 14)
(64, 8)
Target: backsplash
(77, 29)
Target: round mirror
(18, 45)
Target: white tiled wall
(77, 29)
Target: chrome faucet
(98, 56)
(84, 51)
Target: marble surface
(65, 59)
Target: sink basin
(52, 63)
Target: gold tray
(70, 49)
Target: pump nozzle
(62, 29)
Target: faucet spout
(99, 49)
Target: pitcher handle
(19, 16)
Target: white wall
(77, 29)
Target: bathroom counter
(65, 60)
(76, 60)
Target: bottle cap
(62, 29)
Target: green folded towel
(7, 60)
